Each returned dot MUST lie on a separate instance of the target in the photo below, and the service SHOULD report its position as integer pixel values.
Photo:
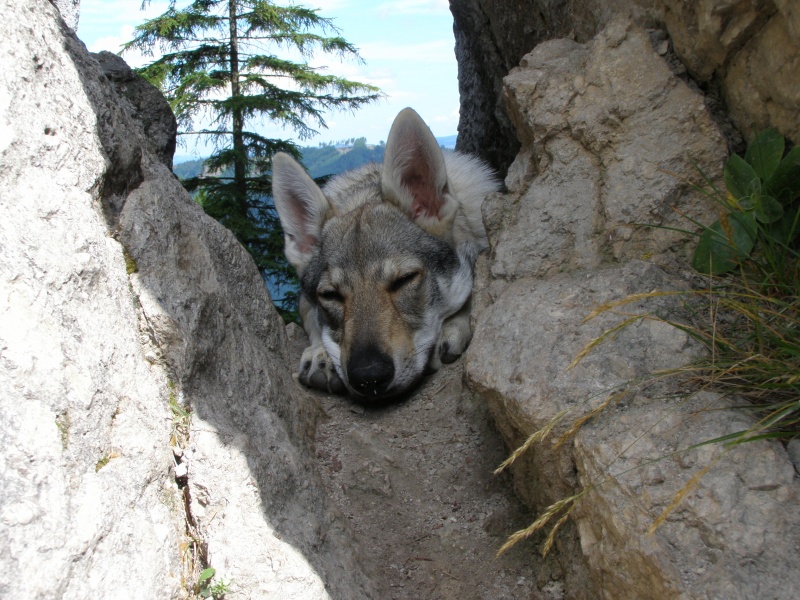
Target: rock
(601, 124)
(208, 310)
(147, 105)
(87, 503)
(733, 535)
(746, 49)
(132, 322)
(751, 50)
(762, 83)
(610, 138)
(706, 34)
(70, 11)
(793, 449)
(491, 38)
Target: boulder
(609, 136)
(88, 504)
(733, 536)
(611, 140)
(744, 51)
(145, 104)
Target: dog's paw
(453, 341)
(317, 371)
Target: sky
(407, 47)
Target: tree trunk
(240, 159)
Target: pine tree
(220, 66)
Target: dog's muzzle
(370, 372)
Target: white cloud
(413, 7)
(436, 51)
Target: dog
(385, 257)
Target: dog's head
(378, 259)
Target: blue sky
(407, 46)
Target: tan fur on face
(371, 316)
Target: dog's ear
(302, 208)
(414, 176)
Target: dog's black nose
(370, 371)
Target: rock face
(86, 475)
(123, 307)
(748, 50)
(607, 134)
(70, 11)
(145, 104)
(492, 37)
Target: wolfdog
(385, 255)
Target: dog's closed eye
(403, 280)
(330, 295)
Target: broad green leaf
(785, 181)
(764, 153)
(719, 251)
(206, 574)
(740, 178)
(786, 229)
(769, 210)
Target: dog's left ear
(414, 176)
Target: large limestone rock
(610, 139)
(732, 537)
(88, 506)
(762, 82)
(596, 121)
(749, 50)
(492, 36)
(123, 307)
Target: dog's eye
(403, 280)
(330, 294)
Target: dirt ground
(415, 481)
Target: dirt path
(415, 481)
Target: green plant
(760, 214)
(105, 459)
(130, 263)
(207, 589)
(180, 419)
(63, 423)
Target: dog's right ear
(302, 208)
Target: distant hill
(188, 168)
(325, 159)
(448, 141)
(332, 160)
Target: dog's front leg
(316, 367)
(455, 337)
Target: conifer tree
(229, 65)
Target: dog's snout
(370, 371)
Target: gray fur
(385, 271)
